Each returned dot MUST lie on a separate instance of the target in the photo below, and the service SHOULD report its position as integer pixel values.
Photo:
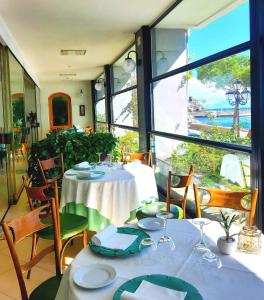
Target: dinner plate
(91, 175)
(170, 282)
(94, 276)
(132, 249)
(151, 224)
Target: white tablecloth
(116, 194)
(240, 278)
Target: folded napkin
(150, 291)
(110, 238)
(83, 164)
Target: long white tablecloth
(240, 278)
(116, 194)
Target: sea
(225, 121)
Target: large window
(202, 111)
(183, 36)
(128, 139)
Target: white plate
(94, 276)
(151, 224)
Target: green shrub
(75, 146)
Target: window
(128, 139)
(125, 108)
(195, 103)
(100, 111)
(60, 113)
(101, 127)
(183, 37)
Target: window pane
(101, 127)
(128, 139)
(213, 167)
(125, 108)
(122, 79)
(100, 94)
(183, 36)
(196, 103)
(100, 111)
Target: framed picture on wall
(82, 110)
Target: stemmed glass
(201, 246)
(165, 238)
(99, 157)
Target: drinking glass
(165, 238)
(209, 257)
(99, 157)
(149, 248)
(201, 246)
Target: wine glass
(99, 157)
(149, 246)
(165, 238)
(212, 259)
(201, 246)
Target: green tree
(223, 72)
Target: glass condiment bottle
(249, 240)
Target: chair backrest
(183, 181)
(50, 165)
(37, 197)
(227, 199)
(145, 157)
(21, 227)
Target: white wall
(72, 88)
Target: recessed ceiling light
(72, 52)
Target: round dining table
(112, 198)
(239, 276)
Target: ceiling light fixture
(99, 84)
(72, 52)
(129, 64)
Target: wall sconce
(99, 84)
(163, 58)
(129, 65)
(81, 93)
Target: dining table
(239, 276)
(113, 198)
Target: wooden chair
(145, 157)
(15, 231)
(70, 226)
(183, 181)
(150, 210)
(52, 171)
(227, 199)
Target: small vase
(226, 246)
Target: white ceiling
(103, 27)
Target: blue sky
(227, 31)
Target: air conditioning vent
(67, 74)
(73, 52)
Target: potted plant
(227, 244)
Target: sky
(227, 31)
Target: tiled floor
(9, 288)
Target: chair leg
(35, 239)
(85, 238)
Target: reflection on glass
(100, 111)
(125, 108)
(100, 94)
(181, 37)
(197, 103)
(20, 130)
(120, 78)
(128, 139)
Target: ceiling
(103, 27)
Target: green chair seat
(150, 210)
(46, 290)
(70, 225)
